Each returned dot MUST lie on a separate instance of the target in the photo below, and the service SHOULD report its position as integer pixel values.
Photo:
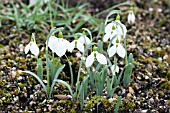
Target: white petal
(34, 48)
(66, 43)
(27, 48)
(121, 27)
(131, 17)
(108, 28)
(101, 58)
(84, 39)
(106, 37)
(32, 2)
(61, 48)
(121, 51)
(71, 46)
(46, 1)
(112, 50)
(117, 69)
(80, 46)
(52, 43)
(90, 60)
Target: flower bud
(60, 35)
(118, 17)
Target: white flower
(46, 1)
(110, 31)
(84, 40)
(61, 46)
(52, 43)
(115, 29)
(117, 48)
(79, 44)
(34, 2)
(76, 44)
(121, 28)
(93, 56)
(131, 17)
(32, 46)
(113, 70)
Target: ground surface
(148, 40)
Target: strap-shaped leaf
(127, 74)
(39, 80)
(100, 46)
(67, 85)
(117, 105)
(40, 69)
(130, 58)
(51, 67)
(55, 78)
(85, 85)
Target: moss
(147, 60)
(129, 105)
(168, 102)
(168, 60)
(161, 52)
(1, 46)
(165, 85)
(168, 73)
(104, 106)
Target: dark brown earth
(148, 40)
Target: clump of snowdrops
(97, 61)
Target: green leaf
(40, 69)
(67, 85)
(127, 74)
(130, 59)
(39, 80)
(100, 46)
(55, 78)
(117, 105)
(51, 67)
(85, 85)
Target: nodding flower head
(32, 46)
(131, 16)
(95, 56)
(117, 48)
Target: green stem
(52, 57)
(47, 64)
(71, 71)
(125, 50)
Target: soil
(148, 39)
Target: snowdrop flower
(95, 56)
(113, 29)
(34, 2)
(113, 70)
(52, 43)
(61, 45)
(131, 16)
(76, 44)
(32, 46)
(84, 39)
(117, 48)
(79, 43)
(122, 28)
